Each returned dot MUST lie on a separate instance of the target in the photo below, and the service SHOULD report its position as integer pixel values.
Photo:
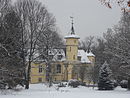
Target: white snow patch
(42, 91)
(72, 36)
(90, 54)
(84, 58)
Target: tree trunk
(129, 83)
(48, 74)
(28, 75)
(27, 85)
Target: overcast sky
(90, 17)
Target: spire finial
(72, 28)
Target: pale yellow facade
(92, 59)
(37, 76)
(71, 49)
(61, 70)
(65, 74)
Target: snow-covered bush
(124, 83)
(74, 83)
(105, 82)
(61, 84)
(11, 83)
(115, 83)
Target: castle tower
(72, 45)
(72, 41)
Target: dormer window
(51, 57)
(59, 57)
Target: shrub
(115, 83)
(61, 85)
(82, 83)
(74, 83)
(124, 84)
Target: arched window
(59, 57)
(58, 68)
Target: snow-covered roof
(90, 54)
(84, 58)
(59, 55)
(56, 53)
(72, 36)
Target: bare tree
(47, 42)
(35, 19)
(4, 7)
(88, 43)
(82, 73)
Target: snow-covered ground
(41, 91)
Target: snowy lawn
(41, 91)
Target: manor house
(66, 62)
